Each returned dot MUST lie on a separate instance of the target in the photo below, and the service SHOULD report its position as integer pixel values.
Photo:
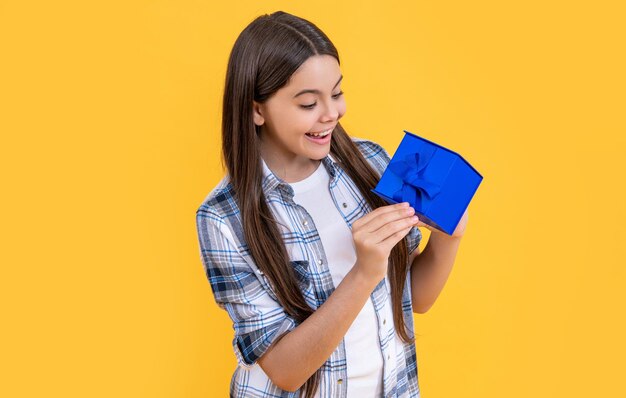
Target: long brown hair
(266, 53)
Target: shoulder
(219, 199)
(219, 206)
(373, 152)
(370, 149)
(218, 223)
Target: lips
(320, 134)
(321, 139)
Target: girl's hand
(458, 232)
(376, 233)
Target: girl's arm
(291, 360)
(430, 269)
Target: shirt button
(305, 223)
(385, 321)
(345, 205)
(388, 357)
(339, 381)
(320, 262)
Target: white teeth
(322, 134)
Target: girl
(319, 275)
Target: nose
(331, 113)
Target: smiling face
(310, 104)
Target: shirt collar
(272, 183)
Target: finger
(393, 240)
(380, 211)
(381, 221)
(422, 224)
(372, 215)
(393, 228)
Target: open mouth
(321, 134)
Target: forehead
(318, 72)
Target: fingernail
(405, 204)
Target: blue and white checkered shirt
(244, 291)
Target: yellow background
(110, 117)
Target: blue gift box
(437, 182)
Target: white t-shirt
(363, 355)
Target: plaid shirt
(240, 288)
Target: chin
(319, 154)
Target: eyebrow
(316, 91)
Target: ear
(259, 120)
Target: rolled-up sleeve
(258, 319)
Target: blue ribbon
(414, 186)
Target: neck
(293, 171)
(287, 166)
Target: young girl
(319, 275)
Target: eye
(310, 106)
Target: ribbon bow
(414, 186)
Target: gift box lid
(445, 149)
